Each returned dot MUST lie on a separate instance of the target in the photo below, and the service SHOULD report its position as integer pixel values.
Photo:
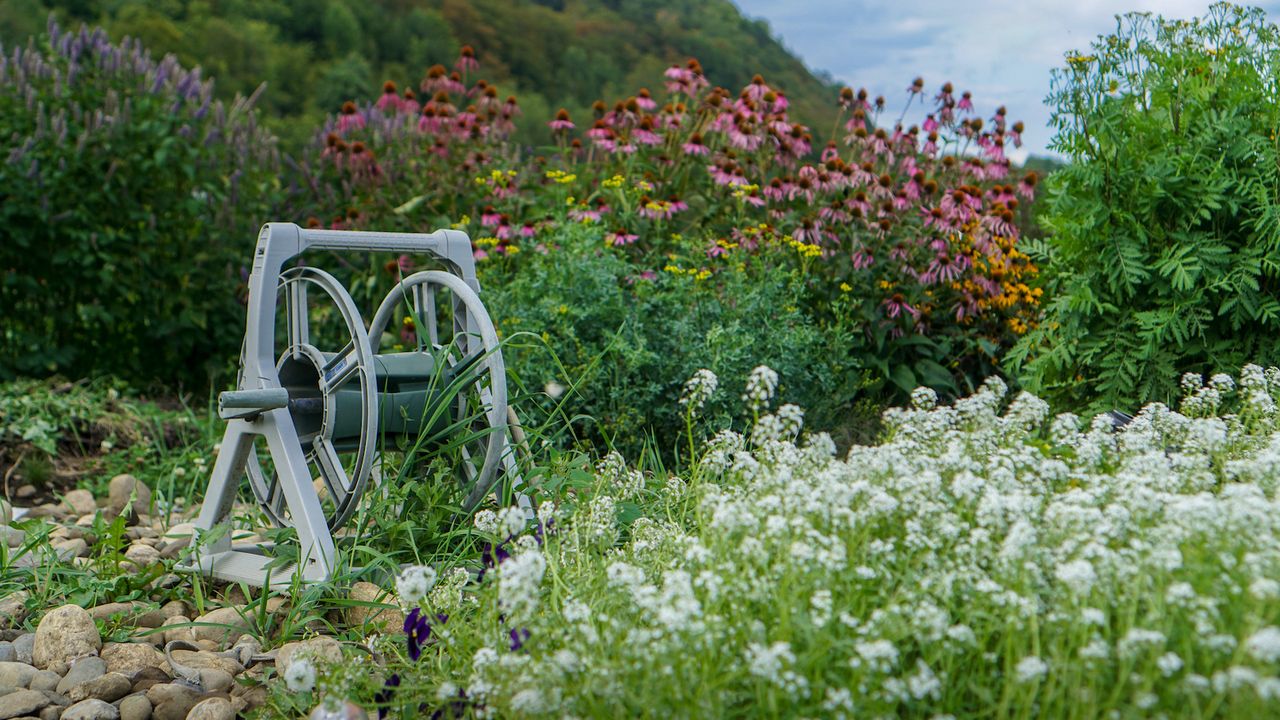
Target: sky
(1001, 50)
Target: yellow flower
(462, 223)
(513, 249)
(846, 287)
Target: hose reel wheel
(313, 378)
(449, 321)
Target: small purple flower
(383, 698)
(519, 636)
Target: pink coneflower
(503, 231)
(810, 231)
(621, 237)
(756, 90)
(677, 205)
(780, 103)
(489, 217)
(1027, 187)
(351, 118)
(409, 104)
(467, 59)
(917, 86)
(562, 123)
(776, 190)
(645, 134)
(835, 212)
(966, 102)
(644, 100)
(694, 146)
(599, 131)
(390, 100)
(944, 268)
(930, 123)
(896, 304)
(528, 230)
(862, 259)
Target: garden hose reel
(328, 405)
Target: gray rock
(126, 490)
(12, 536)
(110, 687)
(64, 634)
(321, 650)
(141, 555)
(25, 645)
(91, 709)
(215, 680)
(79, 502)
(223, 625)
(134, 614)
(212, 709)
(130, 658)
(21, 703)
(68, 549)
(16, 675)
(82, 671)
(45, 680)
(169, 692)
(52, 712)
(7, 653)
(186, 634)
(135, 707)
(13, 608)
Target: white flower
(1264, 645)
(301, 676)
(486, 521)
(1169, 663)
(414, 583)
(512, 521)
(1077, 575)
(1030, 669)
(519, 583)
(761, 384)
(698, 389)
(924, 398)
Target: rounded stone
(109, 687)
(22, 703)
(141, 555)
(130, 658)
(91, 709)
(16, 674)
(383, 619)
(7, 653)
(126, 490)
(25, 645)
(80, 502)
(215, 680)
(212, 709)
(13, 609)
(321, 650)
(45, 680)
(184, 634)
(135, 707)
(64, 634)
(222, 625)
(82, 671)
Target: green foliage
(623, 344)
(130, 200)
(1166, 229)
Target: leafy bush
(623, 343)
(130, 203)
(1166, 228)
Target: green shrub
(129, 204)
(1166, 226)
(623, 343)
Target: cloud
(1003, 51)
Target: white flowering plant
(988, 558)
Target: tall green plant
(1166, 226)
(128, 204)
